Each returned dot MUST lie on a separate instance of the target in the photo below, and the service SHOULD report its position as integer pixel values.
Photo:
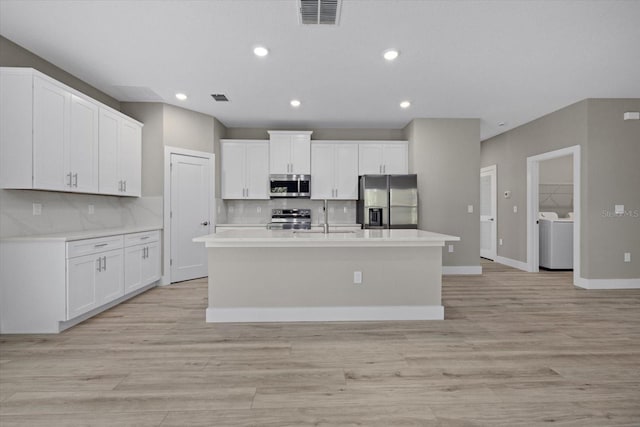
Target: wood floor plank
(515, 349)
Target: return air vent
(220, 97)
(319, 11)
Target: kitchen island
(283, 275)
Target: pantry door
(190, 215)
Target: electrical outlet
(357, 277)
(37, 209)
(627, 257)
(91, 209)
(500, 242)
(450, 248)
(515, 209)
(469, 208)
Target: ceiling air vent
(220, 97)
(319, 11)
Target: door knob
(490, 219)
(205, 223)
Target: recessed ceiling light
(261, 51)
(181, 96)
(405, 104)
(390, 54)
(501, 124)
(295, 103)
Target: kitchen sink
(322, 232)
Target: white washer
(556, 243)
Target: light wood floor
(516, 349)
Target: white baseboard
(461, 269)
(512, 263)
(608, 283)
(324, 314)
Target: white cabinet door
(130, 158)
(109, 140)
(82, 145)
(50, 133)
(395, 159)
(133, 257)
(257, 171)
(370, 159)
(322, 170)
(81, 284)
(300, 154)
(280, 154)
(233, 170)
(110, 278)
(345, 171)
(151, 264)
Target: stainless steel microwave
(292, 186)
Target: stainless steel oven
(292, 186)
(290, 219)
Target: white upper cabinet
(50, 137)
(120, 154)
(290, 152)
(245, 169)
(65, 140)
(383, 158)
(334, 170)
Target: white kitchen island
(275, 275)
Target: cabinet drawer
(140, 238)
(92, 246)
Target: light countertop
(313, 238)
(81, 235)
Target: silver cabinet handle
(104, 266)
(99, 245)
(336, 193)
(99, 268)
(69, 178)
(125, 186)
(75, 180)
(119, 185)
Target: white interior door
(488, 212)
(190, 215)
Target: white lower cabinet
(51, 284)
(141, 260)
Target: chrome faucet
(326, 217)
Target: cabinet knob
(205, 223)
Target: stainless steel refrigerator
(388, 201)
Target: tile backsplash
(62, 212)
(259, 211)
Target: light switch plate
(450, 248)
(500, 242)
(627, 257)
(619, 209)
(469, 208)
(357, 277)
(37, 209)
(91, 209)
(515, 209)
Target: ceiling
(499, 61)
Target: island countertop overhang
(360, 238)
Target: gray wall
(610, 174)
(509, 151)
(557, 171)
(171, 126)
(13, 55)
(445, 154)
(613, 177)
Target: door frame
(166, 241)
(533, 181)
(494, 202)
